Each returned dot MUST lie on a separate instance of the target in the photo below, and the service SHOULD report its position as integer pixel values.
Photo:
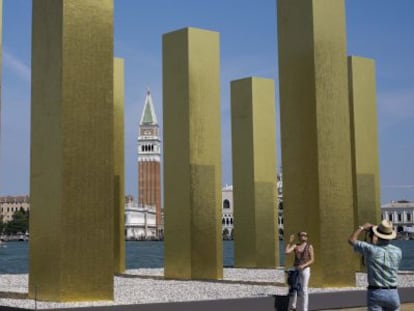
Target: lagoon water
(149, 254)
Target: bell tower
(149, 157)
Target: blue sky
(379, 29)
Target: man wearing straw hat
(382, 261)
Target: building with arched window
(149, 162)
(228, 208)
(227, 212)
(279, 188)
(140, 221)
(11, 204)
(401, 214)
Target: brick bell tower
(149, 157)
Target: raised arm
(290, 246)
(354, 235)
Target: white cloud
(19, 68)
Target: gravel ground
(148, 286)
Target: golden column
(316, 138)
(72, 167)
(119, 167)
(256, 242)
(364, 129)
(192, 155)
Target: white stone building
(228, 209)
(401, 214)
(279, 189)
(11, 204)
(140, 222)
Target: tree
(19, 223)
(2, 224)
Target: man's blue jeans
(383, 300)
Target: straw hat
(385, 230)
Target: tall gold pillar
(119, 167)
(256, 242)
(192, 155)
(364, 129)
(71, 177)
(316, 139)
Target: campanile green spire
(148, 116)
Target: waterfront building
(140, 221)
(401, 214)
(228, 209)
(149, 159)
(11, 204)
(279, 188)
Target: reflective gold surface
(316, 139)
(192, 155)
(119, 167)
(71, 178)
(364, 129)
(256, 242)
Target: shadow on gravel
(12, 295)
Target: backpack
(293, 280)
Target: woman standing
(304, 257)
